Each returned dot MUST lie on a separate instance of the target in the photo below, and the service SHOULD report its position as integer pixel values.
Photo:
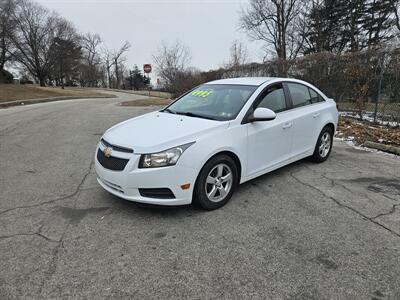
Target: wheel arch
(331, 125)
(235, 159)
(229, 153)
(198, 194)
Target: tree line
(349, 48)
(309, 39)
(291, 28)
(49, 49)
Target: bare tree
(35, 31)
(7, 10)
(118, 59)
(238, 54)
(275, 23)
(49, 48)
(91, 47)
(108, 64)
(171, 62)
(103, 75)
(65, 51)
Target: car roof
(257, 81)
(245, 80)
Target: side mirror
(262, 114)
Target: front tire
(216, 183)
(324, 145)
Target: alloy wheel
(325, 145)
(219, 182)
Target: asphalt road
(306, 231)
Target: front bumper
(126, 184)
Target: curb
(382, 147)
(53, 99)
(132, 92)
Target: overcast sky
(207, 27)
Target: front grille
(111, 163)
(116, 148)
(160, 193)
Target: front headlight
(163, 159)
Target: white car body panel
(148, 135)
(268, 143)
(260, 147)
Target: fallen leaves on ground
(360, 132)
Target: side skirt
(276, 166)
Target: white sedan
(218, 135)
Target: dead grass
(361, 132)
(12, 92)
(147, 102)
(152, 94)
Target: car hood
(158, 131)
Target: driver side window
(274, 99)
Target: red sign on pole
(147, 68)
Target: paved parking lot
(306, 231)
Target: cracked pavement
(306, 231)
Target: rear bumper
(126, 184)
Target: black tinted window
(300, 94)
(274, 99)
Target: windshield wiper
(190, 114)
(169, 111)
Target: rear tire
(216, 183)
(324, 145)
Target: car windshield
(213, 101)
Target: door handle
(316, 114)
(287, 125)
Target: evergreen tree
(136, 79)
(67, 55)
(348, 25)
(325, 22)
(351, 27)
(377, 22)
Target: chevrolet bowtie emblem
(107, 151)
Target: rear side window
(274, 99)
(300, 94)
(315, 97)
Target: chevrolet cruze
(218, 135)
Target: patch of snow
(362, 148)
(369, 117)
